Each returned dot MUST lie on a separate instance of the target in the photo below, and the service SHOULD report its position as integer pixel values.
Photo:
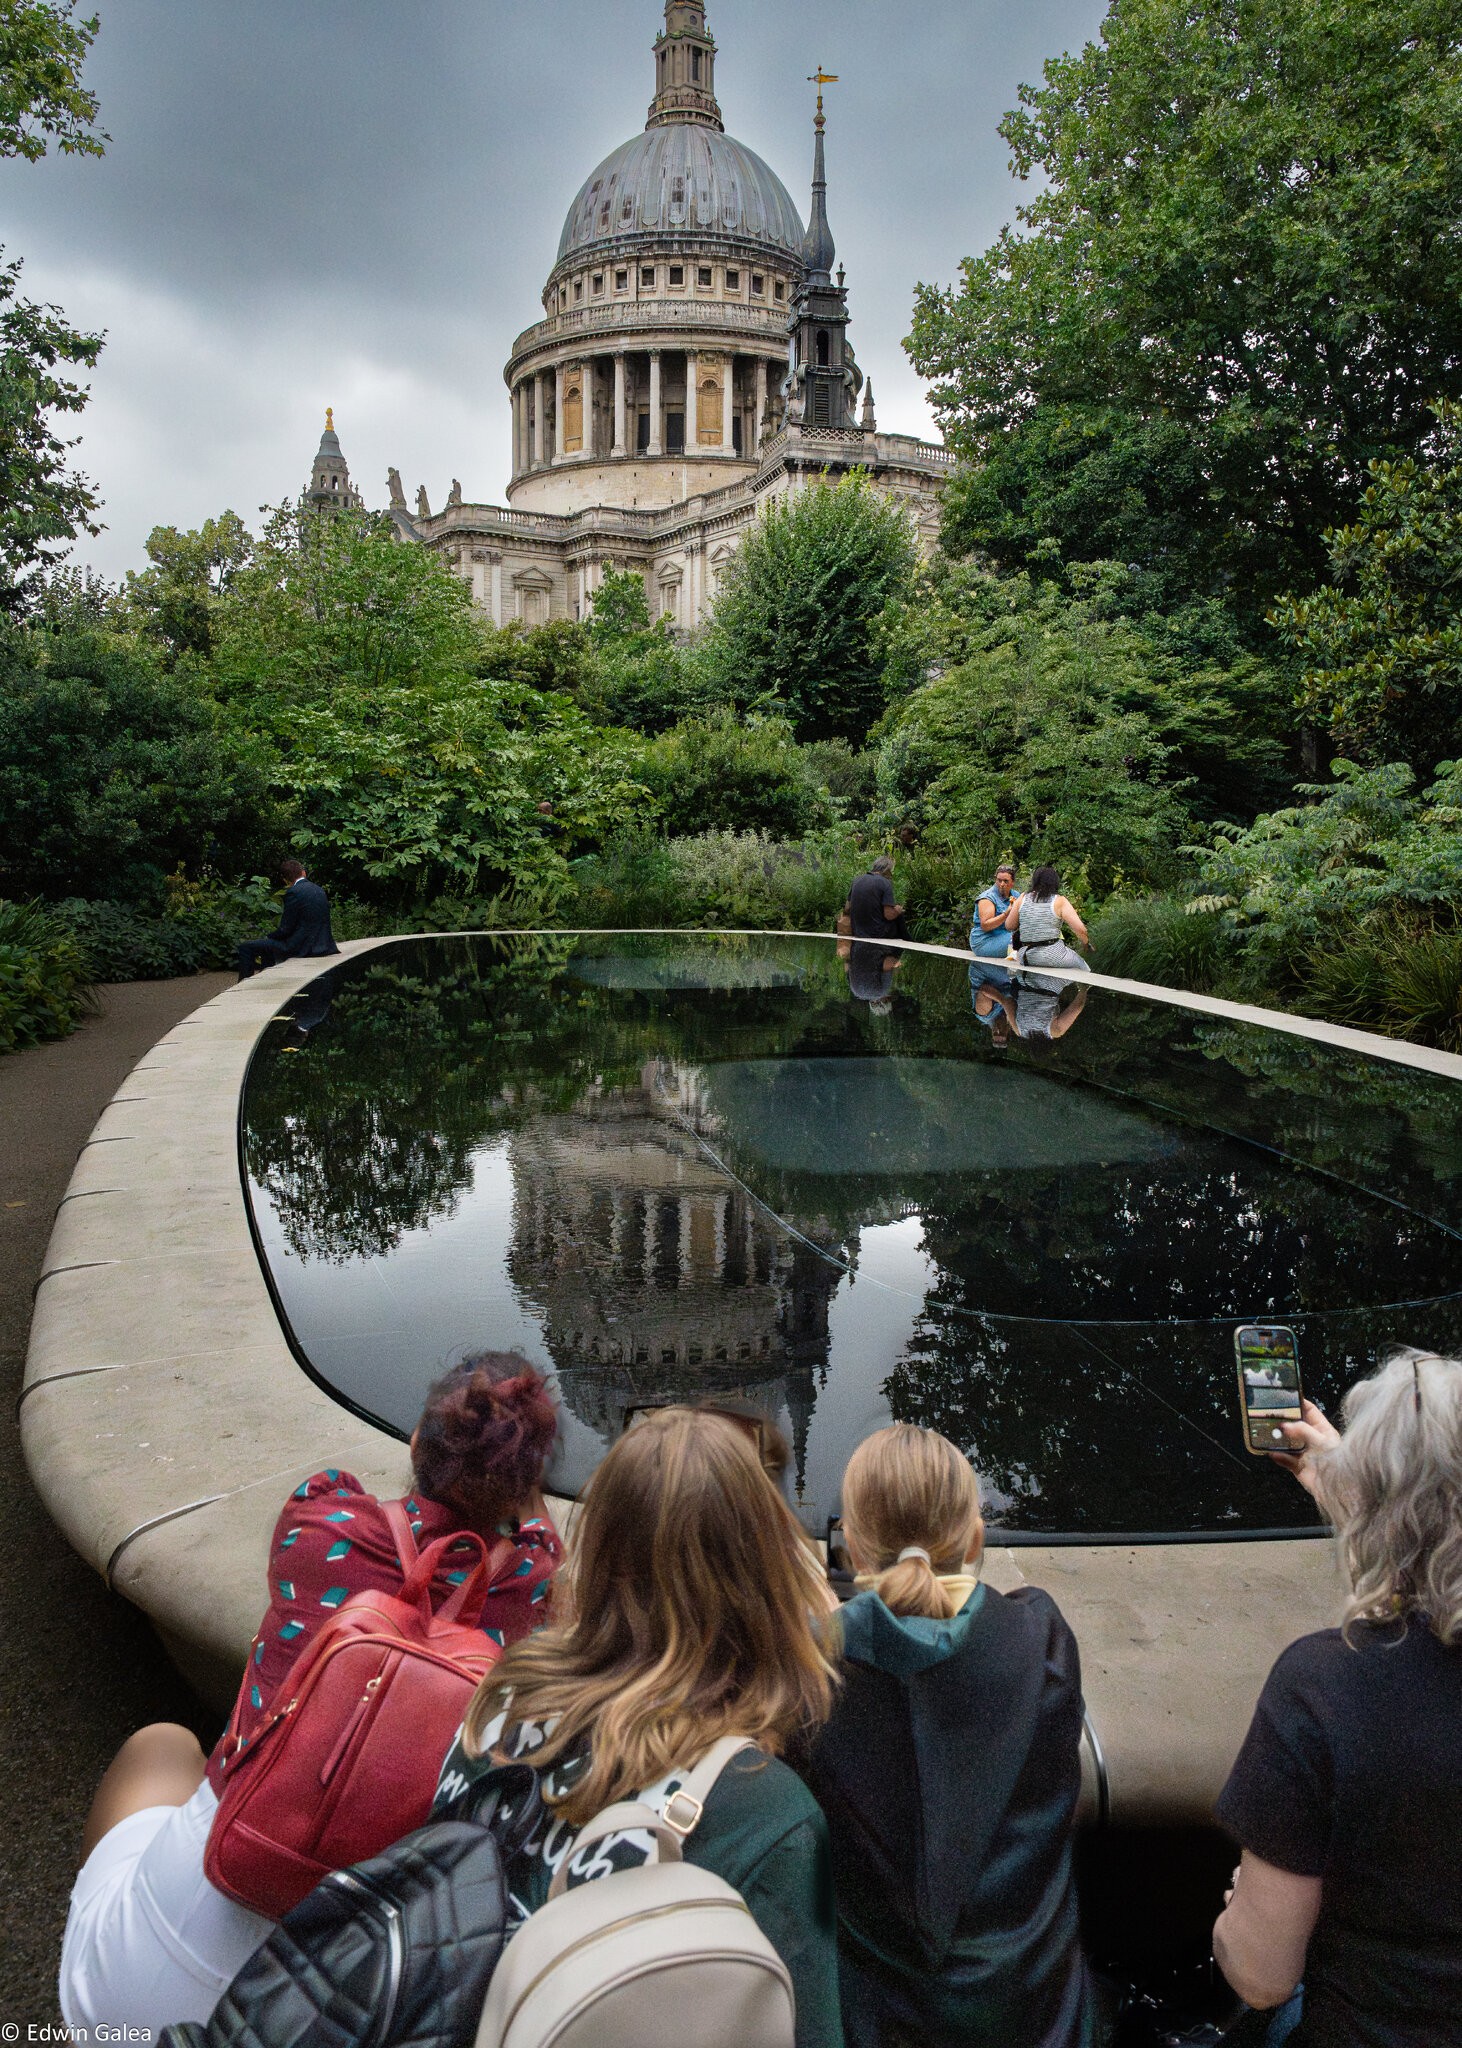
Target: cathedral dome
(683, 178)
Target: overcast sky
(357, 202)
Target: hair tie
(915, 1550)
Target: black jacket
(304, 924)
(949, 1773)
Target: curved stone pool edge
(164, 1419)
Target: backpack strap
(402, 1534)
(670, 1824)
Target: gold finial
(820, 78)
(329, 419)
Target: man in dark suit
(303, 931)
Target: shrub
(203, 925)
(43, 977)
(717, 773)
(716, 879)
(1157, 938)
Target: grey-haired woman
(1347, 1793)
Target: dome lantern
(685, 68)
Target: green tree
(1040, 741)
(113, 773)
(637, 675)
(1246, 231)
(175, 598)
(357, 662)
(43, 504)
(1382, 644)
(721, 773)
(798, 625)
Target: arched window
(822, 351)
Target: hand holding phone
(1269, 1386)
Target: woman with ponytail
(149, 1940)
(949, 1773)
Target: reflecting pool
(846, 1190)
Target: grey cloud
(357, 201)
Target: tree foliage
(356, 661)
(1383, 643)
(42, 100)
(43, 504)
(113, 773)
(1055, 725)
(797, 625)
(719, 774)
(1245, 241)
(175, 598)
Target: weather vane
(820, 78)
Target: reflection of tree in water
(1110, 1428)
(431, 1051)
(368, 1132)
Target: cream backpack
(660, 1956)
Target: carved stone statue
(393, 485)
(423, 509)
(454, 496)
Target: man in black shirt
(872, 911)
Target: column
(619, 413)
(497, 591)
(657, 418)
(692, 403)
(728, 393)
(761, 398)
(558, 448)
(540, 419)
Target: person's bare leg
(161, 1765)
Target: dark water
(665, 1167)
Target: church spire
(819, 248)
(685, 68)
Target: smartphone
(1269, 1385)
(839, 1562)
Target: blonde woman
(688, 1607)
(1347, 1793)
(949, 1773)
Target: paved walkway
(79, 1668)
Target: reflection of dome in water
(658, 1278)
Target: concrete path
(79, 1667)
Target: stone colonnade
(652, 402)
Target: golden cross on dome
(820, 78)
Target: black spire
(819, 248)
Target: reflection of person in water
(870, 976)
(989, 987)
(1031, 1007)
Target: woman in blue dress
(989, 938)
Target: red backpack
(347, 1762)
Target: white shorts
(149, 1941)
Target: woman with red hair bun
(149, 1941)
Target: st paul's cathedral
(692, 364)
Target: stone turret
(823, 385)
(330, 487)
(685, 68)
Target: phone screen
(1269, 1384)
